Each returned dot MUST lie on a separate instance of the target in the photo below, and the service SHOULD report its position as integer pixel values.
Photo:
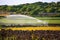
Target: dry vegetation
(33, 28)
(29, 35)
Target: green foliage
(34, 8)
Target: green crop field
(47, 18)
(50, 20)
(53, 21)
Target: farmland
(55, 21)
(33, 28)
(50, 20)
(32, 33)
(46, 13)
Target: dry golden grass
(34, 28)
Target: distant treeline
(33, 9)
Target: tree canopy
(36, 8)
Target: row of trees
(33, 9)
